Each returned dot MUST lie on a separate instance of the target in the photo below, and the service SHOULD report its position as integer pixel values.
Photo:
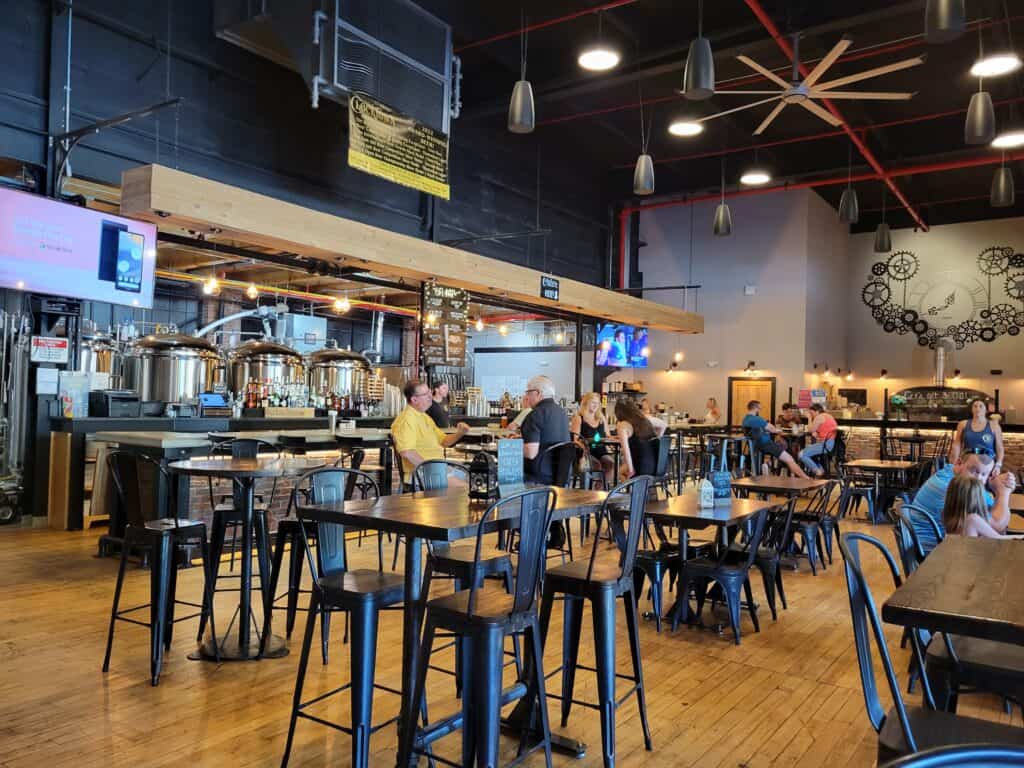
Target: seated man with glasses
(417, 438)
(932, 495)
(546, 424)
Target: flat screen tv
(66, 250)
(621, 346)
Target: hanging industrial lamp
(699, 73)
(980, 123)
(883, 238)
(643, 174)
(849, 207)
(520, 109)
(599, 56)
(723, 216)
(1003, 193)
(944, 20)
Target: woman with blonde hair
(589, 427)
(965, 510)
(713, 415)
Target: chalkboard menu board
(510, 460)
(444, 325)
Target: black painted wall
(246, 121)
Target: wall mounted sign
(965, 309)
(444, 325)
(49, 349)
(936, 401)
(549, 288)
(386, 143)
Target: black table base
(230, 650)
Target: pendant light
(849, 207)
(699, 73)
(944, 20)
(883, 238)
(599, 56)
(980, 124)
(520, 108)
(643, 174)
(1003, 192)
(723, 216)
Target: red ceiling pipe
(544, 24)
(866, 153)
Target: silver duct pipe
(265, 312)
(942, 350)
(375, 351)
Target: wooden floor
(788, 695)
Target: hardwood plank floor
(790, 694)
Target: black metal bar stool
(602, 581)
(361, 593)
(165, 539)
(483, 616)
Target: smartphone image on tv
(109, 246)
(129, 262)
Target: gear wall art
(951, 305)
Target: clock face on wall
(964, 306)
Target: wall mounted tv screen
(621, 346)
(66, 250)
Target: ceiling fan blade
(739, 109)
(827, 61)
(869, 73)
(821, 112)
(766, 72)
(874, 95)
(771, 116)
(748, 93)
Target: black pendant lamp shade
(643, 175)
(699, 74)
(723, 216)
(521, 118)
(849, 206)
(883, 238)
(944, 20)
(1003, 193)
(980, 125)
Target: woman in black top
(635, 432)
(437, 411)
(589, 427)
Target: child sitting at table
(966, 511)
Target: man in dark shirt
(546, 425)
(437, 411)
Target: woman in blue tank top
(978, 434)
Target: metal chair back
(330, 486)
(963, 756)
(932, 526)
(136, 492)
(560, 457)
(626, 528)
(433, 475)
(536, 508)
(244, 448)
(661, 448)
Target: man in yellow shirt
(417, 438)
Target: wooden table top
(882, 465)
(263, 466)
(779, 484)
(1017, 502)
(155, 439)
(445, 515)
(684, 510)
(277, 435)
(966, 586)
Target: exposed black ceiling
(595, 118)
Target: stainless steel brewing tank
(172, 368)
(338, 371)
(98, 353)
(264, 361)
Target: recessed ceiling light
(685, 128)
(755, 177)
(1009, 140)
(996, 64)
(599, 58)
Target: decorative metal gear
(877, 313)
(1016, 261)
(889, 326)
(1013, 330)
(876, 293)
(923, 341)
(1002, 314)
(988, 333)
(909, 316)
(932, 344)
(902, 329)
(893, 313)
(994, 261)
(932, 334)
(902, 265)
(985, 314)
(952, 331)
(1000, 328)
(879, 269)
(1015, 286)
(959, 344)
(970, 331)
(920, 327)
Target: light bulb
(996, 64)
(479, 324)
(679, 357)
(20, 285)
(849, 376)
(559, 337)
(685, 128)
(598, 58)
(755, 177)
(645, 352)
(1009, 140)
(211, 286)
(341, 305)
(503, 329)
(252, 292)
(431, 318)
(346, 305)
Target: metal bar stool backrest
(931, 524)
(962, 756)
(330, 486)
(560, 457)
(908, 544)
(433, 475)
(776, 528)
(661, 449)
(244, 448)
(536, 507)
(626, 528)
(865, 619)
(137, 481)
(819, 502)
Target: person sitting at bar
(417, 438)
(545, 425)
(437, 410)
(823, 428)
(635, 431)
(931, 496)
(760, 431)
(712, 415)
(966, 510)
(978, 432)
(789, 417)
(589, 427)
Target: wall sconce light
(751, 368)
(884, 374)
(828, 371)
(679, 357)
(956, 374)
(673, 366)
(849, 375)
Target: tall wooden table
(445, 516)
(243, 474)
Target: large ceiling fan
(805, 92)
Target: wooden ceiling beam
(169, 197)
